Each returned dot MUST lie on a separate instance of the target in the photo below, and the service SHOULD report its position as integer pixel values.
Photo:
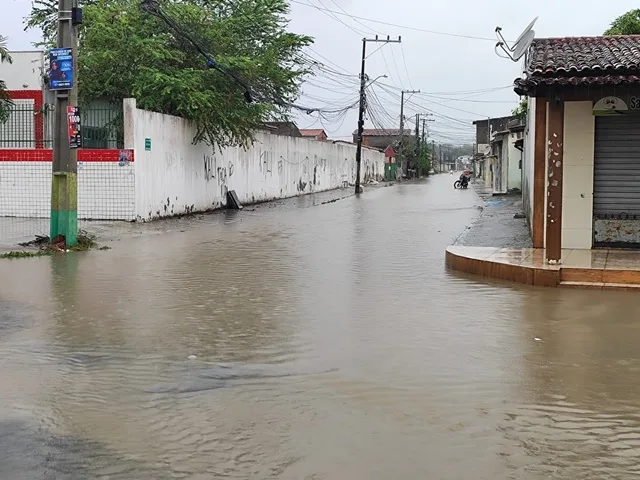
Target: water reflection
(350, 353)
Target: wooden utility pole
(363, 101)
(64, 185)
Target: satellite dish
(520, 46)
(525, 32)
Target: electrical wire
(406, 69)
(330, 14)
(406, 27)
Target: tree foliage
(520, 112)
(5, 101)
(420, 158)
(125, 52)
(627, 24)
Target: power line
(407, 27)
(393, 57)
(406, 69)
(331, 14)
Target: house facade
(581, 182)
(31, 121)
(497, 158)
(381, 138)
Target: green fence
(101, 127)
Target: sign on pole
(60, 69)
(73, 121)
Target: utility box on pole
(63, 80)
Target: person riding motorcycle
(464, 179)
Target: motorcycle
(462, 182)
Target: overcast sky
(458, 77)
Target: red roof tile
(584, 54)
(311, 132)
(582, 61)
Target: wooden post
(554, 179)
(539, 171)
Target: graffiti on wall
(209, 166)
(266, 163)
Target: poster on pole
(73, 121)
(60, 69)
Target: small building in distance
(314, 133)
(287, 129)
(381, 138)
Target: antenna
(520, 46)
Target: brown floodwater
(331, 343)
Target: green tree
(421, 159)
(627, 24)
(126, 52)
(520, 111)
(5, 101)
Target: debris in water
(192, 357)
(537, 339)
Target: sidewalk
(501, 223)
(498, 245)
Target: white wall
(105, 189)
(25, 72)
(177, 177)
(514, 174)
(528, 161)
(577, 184)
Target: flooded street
(331, 344)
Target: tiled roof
(584, 55)
(576, 81)
(383, 132)
(311, 132)
(582, 61)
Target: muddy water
(330, 344)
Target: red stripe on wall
(37, 97)
(42, 155)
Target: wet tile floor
(609, 259)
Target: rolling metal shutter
(617, 166)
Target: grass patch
(24, 254)
(86, 242)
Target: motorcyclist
(464, 179)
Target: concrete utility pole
(64, 187)
(433, 156)
(401, 144)
(363, 80)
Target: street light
(375, 80)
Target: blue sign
(60, 69)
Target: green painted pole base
(64, 207)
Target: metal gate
(616, 189)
